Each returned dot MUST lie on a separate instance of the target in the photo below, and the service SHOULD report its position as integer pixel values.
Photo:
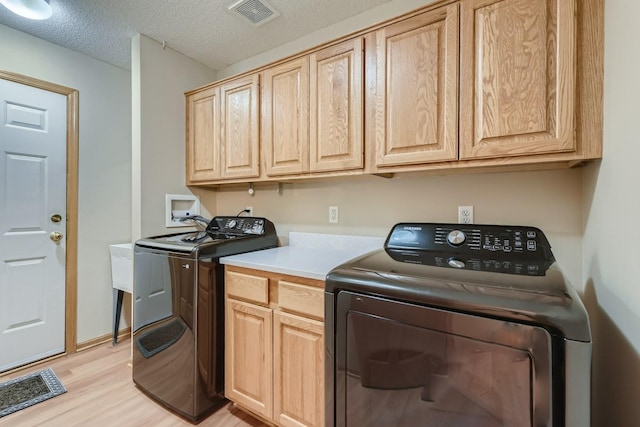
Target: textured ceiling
(201, 29)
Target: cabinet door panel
(248, 356)
(336, 79)
(298, 371)
(416, 80)
(240, 128)
(518, 72)
(285, 118)
(203, 139)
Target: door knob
(55, 236)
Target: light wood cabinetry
(285, 118)
(223, 131)
(203, 137)
(413, 67)
(274, 346)
(311, 120)
(470, 84)
(240, 127)
(336, 116)
(518, 77)
(298, 370)
(248, 359)
(312, 112)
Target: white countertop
(309, 255)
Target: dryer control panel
(492, 241)
(475, 246)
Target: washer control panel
(236, 225)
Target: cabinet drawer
(301, 299)
(248, 287)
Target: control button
(531, 234)
(518, 244)
(455, 263)
(507, 248)
(232, 223)
(531, 245)
(456, 237)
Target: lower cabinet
(298, 370)
(274, 340)
(248, 360)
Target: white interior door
(33, 139)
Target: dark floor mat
(25, 391)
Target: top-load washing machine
(178, 314)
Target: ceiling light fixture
(31, 9)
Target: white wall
(160, 76)
(371, 205)
(611, 236)
(104, 181)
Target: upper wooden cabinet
(312, 112)
(336, 116)
(412, 68)
(500, 84)
(223, 131)
(285, 118)
(517, 86)
(240, 127)
(203, 135)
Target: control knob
(456, 263)
(456, 238)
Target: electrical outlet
(333, 214)
(465, 214)
(250, 210)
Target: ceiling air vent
(256, 12)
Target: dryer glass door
(400, 364)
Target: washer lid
(224, 236)
(180, 242)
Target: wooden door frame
(71, 257)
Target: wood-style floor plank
(100, 392)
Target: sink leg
(117, 309)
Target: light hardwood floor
(100, 392)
